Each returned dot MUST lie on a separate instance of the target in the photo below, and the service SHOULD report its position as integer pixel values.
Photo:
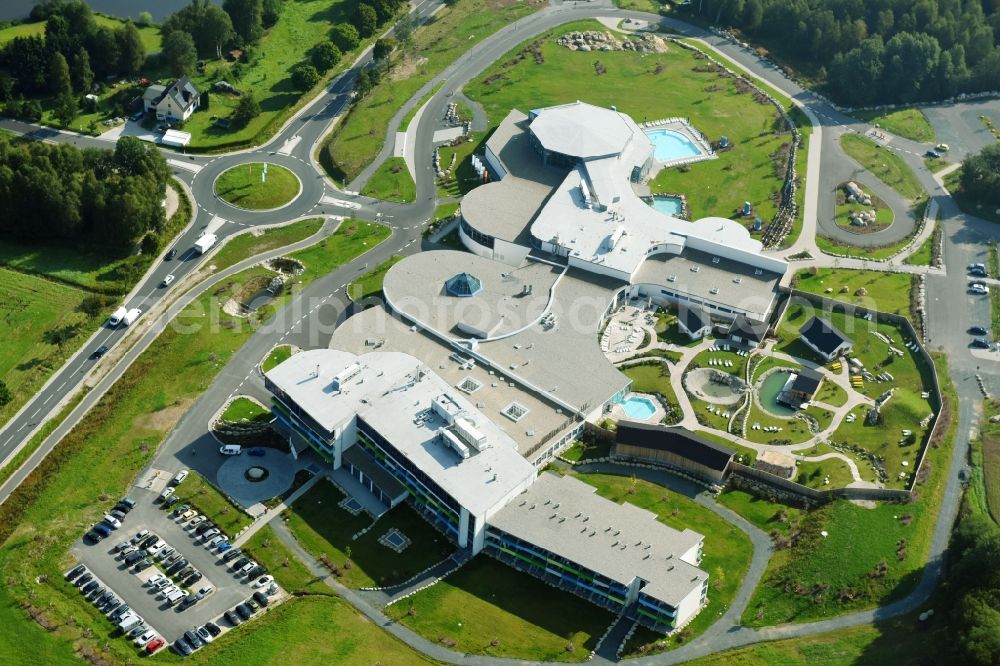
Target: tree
(324, 56)
(247, 109)
(28, 61)
(131, 52)
(5, 395)
(59, 79)
(180, 53)
(58, 37)
(305, 76)
(207, 23)
(145, 19)
(104, 50)
(80, 72)
(65, 109)
(345, 37)
(271, 12)
(981, 175)
(365, 20)
(405, 27)
(383, 48)
(247, 17)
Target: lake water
(160, 9)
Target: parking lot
(229, 588)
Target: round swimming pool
(669, 145)
(768, 392)
(638, 408)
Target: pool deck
(683, 127)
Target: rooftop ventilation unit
(345, 375)
(715, 260)
(469, 385)
(738, 280)
(515, 411)
(451, 440)
(671, 278)
(713, 290)
(695, 269)
(758, 271)
(469, 434)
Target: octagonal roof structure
(463, 285)
(583, 130)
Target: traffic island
(258, 186)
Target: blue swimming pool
(669, 145)
(669, 205)
(638, 408)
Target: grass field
(392, 182)
(727, 550)
(250, 244)
(634, 84)
(650, 379)
(910, 124)
(150, 35)
(884, 164)
(244, 409)
(97, 461)
(242, 186)
(204, 497)
(991, 458)
(489, 608)
(370, 284)
(453, 31)
(326, 530)
(886, 292)
(922, 255)
(844, 210)
(352, 238)
(276, 356)
(43, 326)
(586, 450)
(458, 159)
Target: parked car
(93, 536)
(978, 330)
(933, 154)
(263, 581)
(197, 520)
(224, 546)
(170, 560)
(128, 551)
(154, 645)
(178, 511)
(140, 535)
(162, 583)
(119, 612)
(95, 593)
(187, 514)
(112, 521)
(114, 603)
(244, 611)
(117, 514)
(260, 598)
(185, 572)
(213, 629)
(149, 541)
(205, 591)
(127, 501)
(138, 630)
(232, 554)
(83, 579)
(167, 492)
(943, 147)
(191, 637)
(123, 506)
(205, 635)
(240, 563)
(257, 451)
(174, 499)
(230, 449)
(157, 547)
(210, 533)
(256, 573)
(188, 602)
(165, 553)
(142, 565)
(177, 566)
(134, 557)
(89, 587)
(154, 579)
(193, 578)
(216, 540)
(145, 637)
(182, 648)
(103, 530)
(248, 567)
(232, 618)
(75, 571)
(204, 527)
(179, 477)
(979, 289)
(981, 343)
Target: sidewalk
(267, 515)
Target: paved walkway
(269, 514)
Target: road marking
(289, 145)
(8, 440)
(61, 386)
(36, 412)
(333, 201)
(46, 401)
(187, 166)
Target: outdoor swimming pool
(638, 408)
(769, 390)
(669, 145)
(672, 206)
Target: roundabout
(249, 480)
(250, 187)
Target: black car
(123, 507)
(188, 602)
(100, 351)
(232, 618)
(119, 612)
(182, 647)
(132, 558)
(981, 272)
(142, 565)
(181, 509)
(978, 330)
(89, 587)
(92, 537)
(244, 611)
(255, 573)
(114, 603)
(171, 254)
(173, 499)
(260, 597)
(232, 554)
(185, 572)
(117, 515)
(177, 566)
(127, 501)
(96, 593)
(204, 527)
(75, 571)
(213, 629)
(240, 563)
(103, 597)
(149, 541)
(192, 637)
(981, 343)
(84, 579)
(192, 579)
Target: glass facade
(481, 238)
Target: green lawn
(844, 210)
(245, 409)
(768, 516)
(326, 530)
(726, 552)
(635, 83)
(256, 242)
(204, 497)
(886, 292)
(370, 284)
(276, 356)
(290, 572)
(922, 255)
(98, 460)
(453, 31)
(991, 458)
(831, 393)
(352, 238)
(43, 326)
(458, 160)
(242, 186)
(793, 431)
(587, 450)
(815, 474)
(150, 34)
(884, 164)
(391, 182)
(910, 124)
(489, 608)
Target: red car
(154, 645)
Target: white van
(117, 316)
(175, 597)
(129, 622)
(231, 449)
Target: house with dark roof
(825, 339)
(801, 387)
(674, 447)
(174, 102)
(693, 321)
(747, 332)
